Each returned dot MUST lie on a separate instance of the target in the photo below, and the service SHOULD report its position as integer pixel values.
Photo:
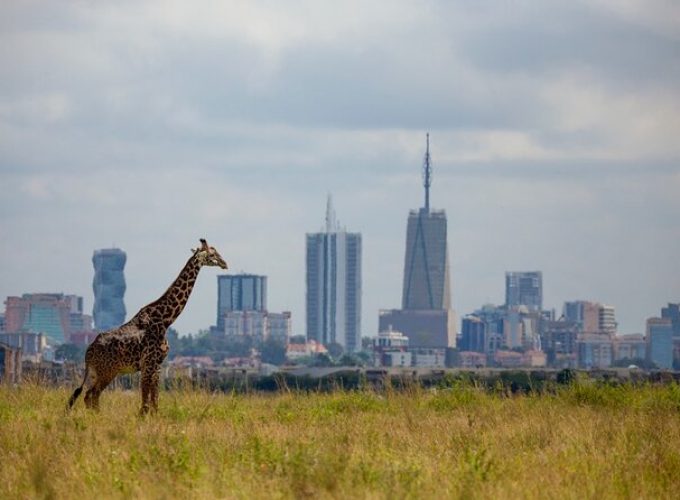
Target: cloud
(149, 124)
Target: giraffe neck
(170, 305)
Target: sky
(146, 125)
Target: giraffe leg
(93, 393)
(150, 378)
(154, 391)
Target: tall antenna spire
(427, 174)
(331, 221)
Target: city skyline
(145, 126)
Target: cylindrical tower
(109, 288)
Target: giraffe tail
(77, 392)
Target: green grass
(583, 441)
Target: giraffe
(140, 344)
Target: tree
(335, 350)
(70, 352)
(273, 351)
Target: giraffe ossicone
(140, 344)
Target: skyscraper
(524, 289)
(591, 317)
(240, 292)
(109, 288)
(426, 316)
(660, 342)
(334, 285)
(672, 312)
(53, 314)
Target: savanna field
(579, 441)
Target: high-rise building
(591, 317)
(672, 312)
(426, 317)
(240, 292)
(473, 334)
(333, 279)
(524, 289)
(54, 314)
(109, 288)
(660, 342)
(426, 265)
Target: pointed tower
(426, 264)
(425, 317)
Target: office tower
(591, 317)
(53, 314)
(426, 317)
(109, 288)
(672, 312)
(334, 285)
(240, 292)
(524, 289)
(660, 342)
(606, 317)
(558, 341)
(473, 335)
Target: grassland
(582, 441)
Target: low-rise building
(10, 364)
(390, 348)
(428, 358)
(309, 348)
(259, 325)
(629, 347)
(32, 345)
(508, 359)
(471, 359)
(594, 351)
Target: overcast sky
(555, 140)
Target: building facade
(473, 335)
(259, 325)
(109, 288)
(660, 342)
(591, 317)
(672, 312)
(426, 263)
(333, 285)
(524, 289)
(240, 292)
(54, 314)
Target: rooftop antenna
(427, 174)
(331, 221)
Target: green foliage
(70, 352)
(273, 351)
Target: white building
(260, 325)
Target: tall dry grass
(580, 442)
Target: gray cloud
(150, 124)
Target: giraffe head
(209, 256)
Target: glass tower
(524, 289)
(334, 285)
(425, 317)
(109, 288)
(240, 292)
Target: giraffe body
(140, 344)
